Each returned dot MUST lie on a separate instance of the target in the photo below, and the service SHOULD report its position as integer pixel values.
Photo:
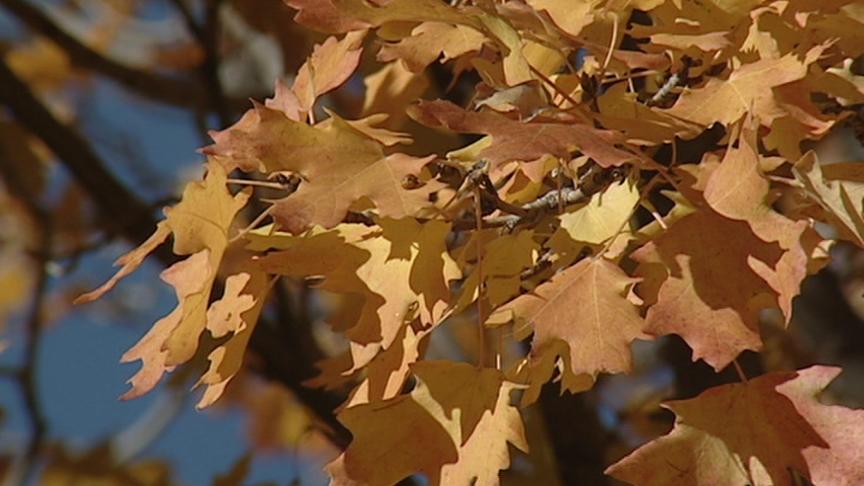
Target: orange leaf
(513, 140)
(753, 432)
(586, 307)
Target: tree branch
(26, 375)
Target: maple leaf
(513, 140)
(586, 307)
(748, 88)
(430, 439)
(753, 432)
(706, 290)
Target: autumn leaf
(841, 199)
(513, 140)
(200, 224)
(338, 16)
(598, 220)
(430, 40)
(430, 440)
(130, 262)
(748, 88)
(234, 315)
(620, 110)
(586, 307)
(329, 65)
(190, 288)
(753, 432)
(738, 190)
(399, 273)
(706, 290)
(339, 164)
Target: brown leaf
(708, 292)
(750, 432)
(429, 439)
(748, 88)
(586, 307)
(513, 140)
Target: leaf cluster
(621, 170)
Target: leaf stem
(251, 225)
(740, 371)
(481, 332)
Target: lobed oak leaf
(841, 197)
(200, 224)
(748, 89)
(504, 259)
(325, 16)
(266, 140)
(429, 41)
(586, 307)
(329, 65)
(758, 431)
(130, 262)
(326, 201)
(704, 284)
(236, 313)
(459, 386)
(571, 17)
(201, 221)
(514, 65)
(390, 89)
(381, 454)
(341, 163)
(398, 271)
(738, 190)
(485, 452)
(338, 16)
(842, 463)
(429, 440)
(387, 373)
(514, 140)
(189, 278)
